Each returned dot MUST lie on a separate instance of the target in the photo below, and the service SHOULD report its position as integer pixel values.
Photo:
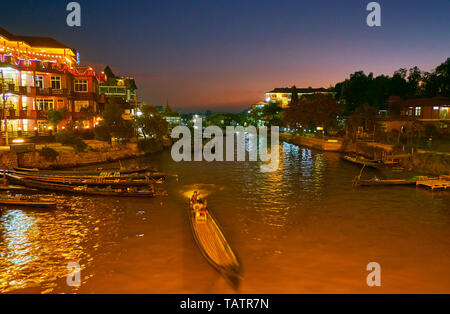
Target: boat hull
(362, 162)
(79, 176)
(215, 248)
(73, 190)
(90, 181)
(28, 204)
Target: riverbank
(57, 156)
(433, 163)
(328, 145)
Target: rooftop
(33, 41)
(299, 90)
(412, 102)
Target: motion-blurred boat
(213, 244)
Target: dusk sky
(224, 55)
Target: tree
(414, 79)
(353, 91)
(364, 116)
(443, 75)
(55, 117)
(312, 111)
(150, 123)
(271, 114)
(113, 124)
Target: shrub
(69, 138)
(149, 145)
(48, 153)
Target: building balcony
(24, 114)
(84, 96)
(32, 91)
(38, 66)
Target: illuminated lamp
(18, 141)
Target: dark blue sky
(227, 53)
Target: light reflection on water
(300, 229)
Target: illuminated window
(45, 103)
(56, 82)
(418, 111)
(40, 81)
(81, 104)
(81, 85)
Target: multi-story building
(405, 112)
(122, 89)
(38, 74)
(284, 95)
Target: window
(56, 82)
(45, 103)
(418, 111)
(39, 81)
(81, 104)
(81, 85)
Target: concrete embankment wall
(97, 153)
(70, 158)
(317, 143)
(433, 163)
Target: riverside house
(284, 95)
(38, 74)
(406, 112)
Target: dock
(441, 183)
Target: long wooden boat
(82, 190)
(380, 182)
(92, 181)
(105, 176)
(363, 161)
(28, 201)
(214, 246)
(98, 172)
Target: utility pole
(4, 110)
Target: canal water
(302, 229)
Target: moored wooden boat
(27, 201)
(214, 246)
(105, 176)
(92, 181)
(363, 161)
(98, 172)
(380, 182)
(82, 190)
